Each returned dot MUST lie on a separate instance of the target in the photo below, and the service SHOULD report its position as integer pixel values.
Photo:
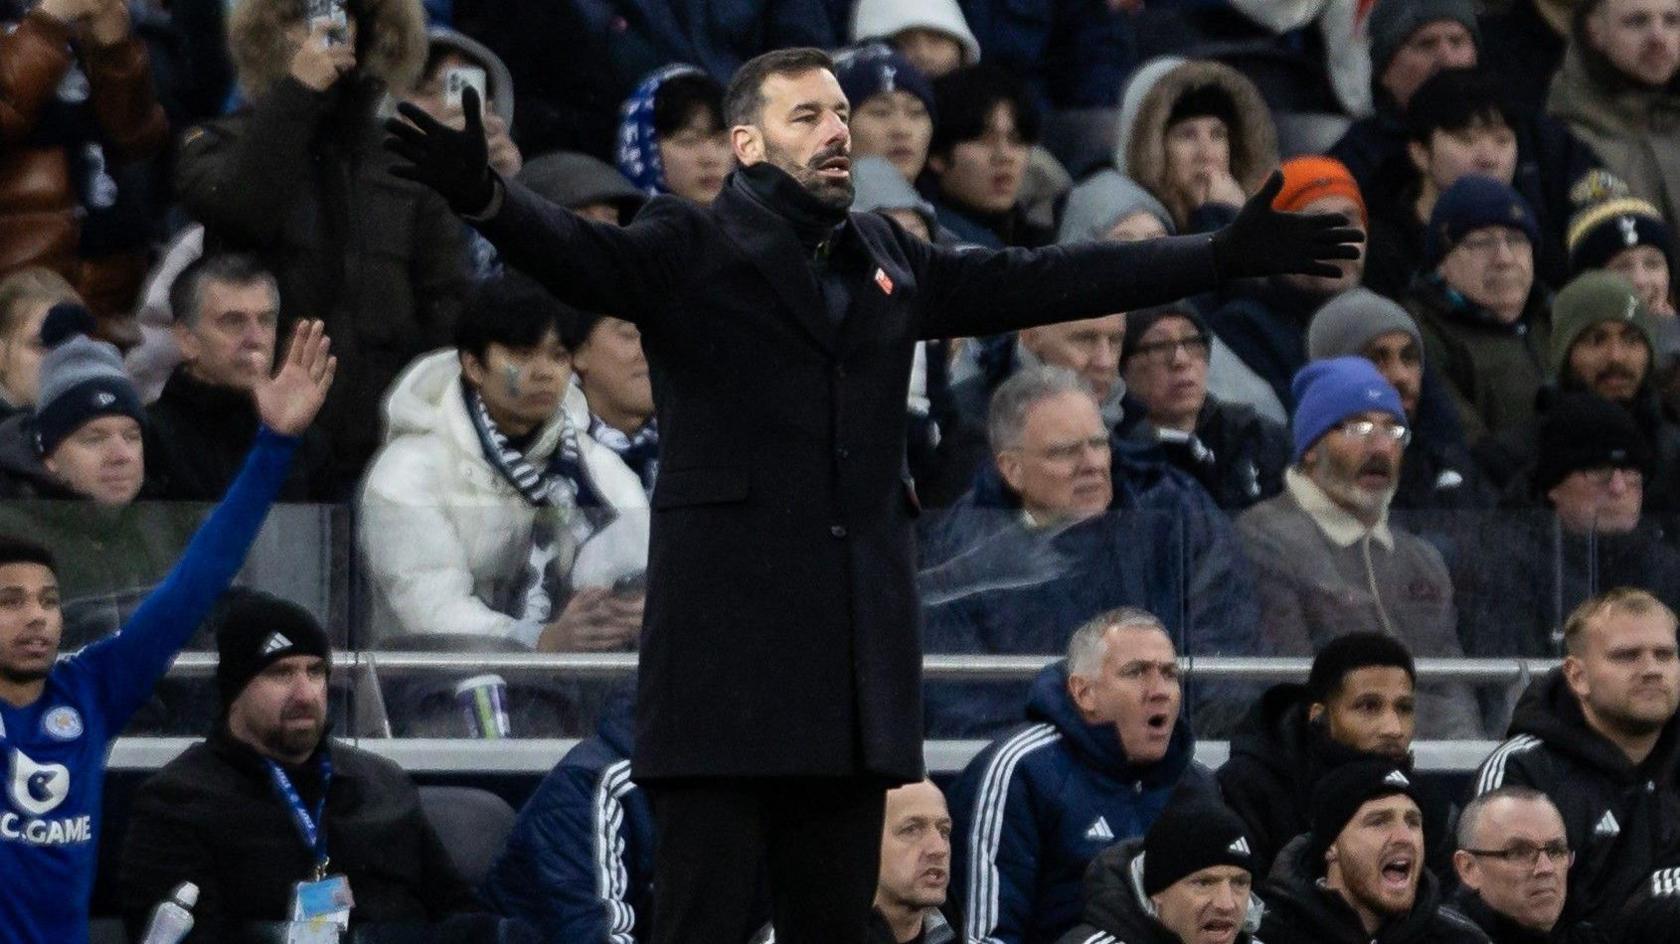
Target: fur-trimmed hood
(390, 42)
(1140, 151)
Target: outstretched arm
(132, 661)
(979, 293)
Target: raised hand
(454, 163)
(319, 62)
(1262, 241)
(288, 401)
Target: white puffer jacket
(447, 540)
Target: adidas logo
(1099, 831)
(1240, 847)
(1397, 779)
(1608, 825)
(275, 643)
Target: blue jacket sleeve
(997, 842)
(128, 664)
(574, 867)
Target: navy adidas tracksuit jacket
(1032, 810)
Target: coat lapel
(768, 242)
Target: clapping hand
(288, 400)
(1263, 241)
(454, 163)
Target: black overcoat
(782, 635)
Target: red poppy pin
(883, 280)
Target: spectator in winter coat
(1436, 471)
(1234, 453)
(1359, 703)
(1188, 880)
(1359, 875)
(25, 297)
(1066, 524)
(1598, 737)
(299, 180)
(612, 372)
(1591, 471)
(1414, 40)
(671, 137)
(1197, 135)
(578, 865)
(77, 104)
(491, 512)
(1265, 322)
(1327, 561)
(227, 311)
(984, 130)
(214, 817)
(1618, 92)
(915, 871)
(892, 107)
(1626, 235)
(1457, 124)
(1103, 753)
(1513, 866)
(1486, 324)
(932, 34)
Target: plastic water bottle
(172, 920)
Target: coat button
(840, 371)
(838, 530)
(842, 453)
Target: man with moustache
(224, 815)
(1358, 877)
(1326, 559)
(780, 331)
(1513, 864)
(1597, 736)
(1188, 880)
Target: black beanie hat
(1582, 431)
(1140, 321)
(1204, 101)
(1191, 836)
(1341, 792)
(255, 630)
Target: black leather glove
(454, 163)
(1262, 241)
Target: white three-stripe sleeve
(986, 834)
(612, 879)
(1492, 776)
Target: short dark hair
(186, 293)
(1351, 652)
(1456, 99)
(744, 99)
(15, 550)
(515, 312)
(966, 100)
(681, 97)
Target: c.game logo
(37, 789)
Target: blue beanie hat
(1472, 203)
(1329, 391)
(875, 68)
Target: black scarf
(813, 221)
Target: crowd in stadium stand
(1466, 443)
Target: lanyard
(311, 829)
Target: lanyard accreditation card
(325, 900)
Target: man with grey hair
(1101, 754)
(227, 312)
(1513, 863)
(1064, 524)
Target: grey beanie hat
(1102, 200)
(1393, 22)
(575, 180)
(81, 378)
(1348, 322)
(878, 185)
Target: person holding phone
(297, 180)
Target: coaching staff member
(780, 663)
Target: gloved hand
(454, 163)
(1262, 241)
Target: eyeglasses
(1527, 853)
(1484, 244)
(1071, 451)
(1603, 477)
(1365, 430)
(1162, 353)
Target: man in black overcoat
(780, 672)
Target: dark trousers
(817, 839)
